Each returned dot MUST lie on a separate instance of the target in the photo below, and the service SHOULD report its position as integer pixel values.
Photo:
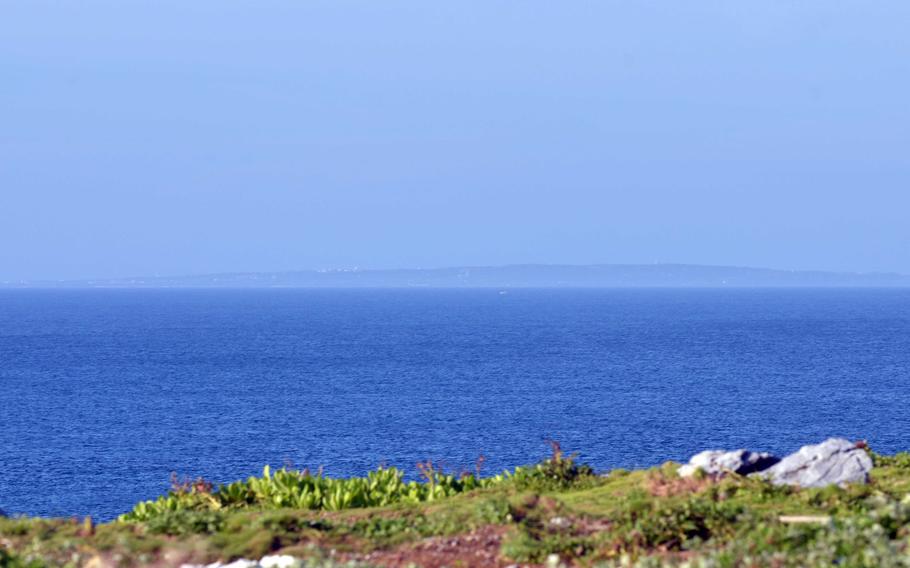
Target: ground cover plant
(557, 512)
(286, 488)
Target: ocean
(105, 393)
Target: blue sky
(173, 137)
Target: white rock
(242, 563)
(834, 461)
(553, 561)
(279, 561)
(719, 462)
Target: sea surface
(104, 393)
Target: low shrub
(303, 490)
(286, 488)
(557, 472)
(900, 460)
(10, 560)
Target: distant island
(510, 276)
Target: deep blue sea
(104, 393)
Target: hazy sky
(175, 136)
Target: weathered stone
(834, 461)
(720, 462)
(271, 561)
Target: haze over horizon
(196, 138)
(413, 269)
(505, 276)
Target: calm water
(104, 393)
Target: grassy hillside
(556, 512)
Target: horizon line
(147, 280)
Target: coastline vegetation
(557, 512)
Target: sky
(172, 137)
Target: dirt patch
(667, 486)
(479, 548)
(587, 526)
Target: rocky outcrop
(720, 462)
(833, 462)
(272, 561)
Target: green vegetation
(288, 489)
(555, 512)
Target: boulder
(834, 461)
(719, 462)
(271, 561)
